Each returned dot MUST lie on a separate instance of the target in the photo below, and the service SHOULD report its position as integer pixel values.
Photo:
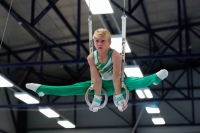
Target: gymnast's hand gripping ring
(120, 108)
(95, 109)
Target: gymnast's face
(101, 44)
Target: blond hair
(102, 33)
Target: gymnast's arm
(95, 75)
(117, 61)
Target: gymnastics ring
(95, 109)
(120, 108)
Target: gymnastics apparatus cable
(94, 109)
(4, 31)
(120, 107)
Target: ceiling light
(116, 43)
(66, 124)
(158, 121)
(4, 82)
(148, 93)
(152, 110)
(140, 94)
(25, 97)
(48, 112)
(133, 70)
(99, 6)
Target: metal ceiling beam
(65, 67)
(119, 127)
(41, 67)
(52, 76)
(162, 52)
(29, 30)
(37, 19)
(67, 25)
(84, 61)
(179, 25)
(176, 88)
(19, 51)
(178, 78)
(25, 23)
(144, 26)
(192, 90)
(78, 50)
(135, 33)
(64, 20)
(192, 86)
(135, 6)
(108, 24)
(129, 5)
(179, 112)
(118, 115)
(82, 70)
(173, 39)
(32, 11)
(188, 120)
(165, 28)
(134, 118)
(2, 131)
(34, 54)
(19, 59)
(149, 26)
(8, 61)
(187, 36)
(134, 101)
(189, 89)
(151, 38)
(25, 77)
(195, 33)
(54, 44)
(22, 120)
(11, 111)
(10, 52)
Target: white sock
(41, 94)
(32, 86)
(162, 74)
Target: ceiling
(46, 41)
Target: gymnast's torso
(105, 69)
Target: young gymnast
(105, 65)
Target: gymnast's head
(102, 33)
(102, 40)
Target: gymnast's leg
(68, 90)
(136, 83)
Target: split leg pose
(80, 88)
(105, 65)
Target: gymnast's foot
(34, 87)
(95, 103)
(162, 74)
